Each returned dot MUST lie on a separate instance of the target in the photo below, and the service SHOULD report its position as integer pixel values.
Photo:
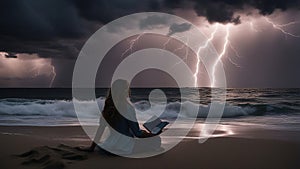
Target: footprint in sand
(52, 157)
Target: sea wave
(65, 108)
(186, 108)
(58, 108)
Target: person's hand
(146, 134)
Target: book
(154, 125)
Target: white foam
(64, 108)
(26, 107)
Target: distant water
(53, 107)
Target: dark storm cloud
(218, 12)
(175, 28)
(153, 21)
(38, 20)
(58, 28)
(54, 48)
(106, 11)
(39, 27)
(11, 55)
(223, 11)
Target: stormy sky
(40, 40)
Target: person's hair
(110, 112)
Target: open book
(154, 125)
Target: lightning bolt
(167, 42)
(131, 44)
(198, 53)
(37, 70)
(53, 75)
(234, 63)
(183, 46)
(220, 56)
(234, 50)
(236, 54)
(280, 27)
(288, 24)
(226, 44)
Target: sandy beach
(53, 147)
(156, 84)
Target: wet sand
(53, 147)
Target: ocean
(270, 108)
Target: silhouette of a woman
(122, 129)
